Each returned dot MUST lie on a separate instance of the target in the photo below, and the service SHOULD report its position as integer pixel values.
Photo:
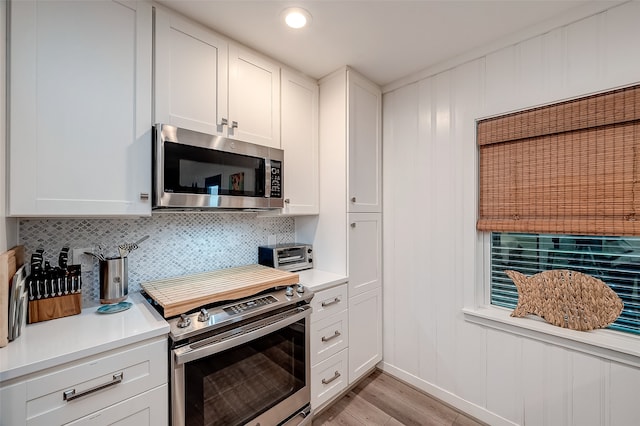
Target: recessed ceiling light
(296, 17)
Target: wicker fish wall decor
(566, 298)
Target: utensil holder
(114, 280)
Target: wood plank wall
(431, 247)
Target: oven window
(195, 170)
(234, 386)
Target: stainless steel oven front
(254, 371)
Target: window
(555, 183)
(614, 260)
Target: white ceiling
(384, 40)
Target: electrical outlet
(78, 253)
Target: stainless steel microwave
(197, 171)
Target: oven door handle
(187, 353)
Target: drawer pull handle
(326, 339)
(335, 376)
(70, 395)
(331, 302)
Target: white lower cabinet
(146, 409)
(329, 345)
(329, 302)
(365, 331)
(125, 386)
(330, 336)
(329, 379)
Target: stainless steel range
(243, 362)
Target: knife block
(54, 307)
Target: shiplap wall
(430, 242)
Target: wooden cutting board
(10, 261)
(182, 294)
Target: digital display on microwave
(276, 179)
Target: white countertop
(317, 280)
(50, 343)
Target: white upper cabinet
(300, 144)
(206, 84)
(190, 75)
(80, 108)
(254, 98)
(365, 145)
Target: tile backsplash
(178, 244)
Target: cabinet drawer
(147, 409)
(100, 382)
(329, 336)
(328, 379)
(328, 302)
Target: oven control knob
(288, 292)
(300, 288)
(184, 321)
(203, 315)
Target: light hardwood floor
(380, 399)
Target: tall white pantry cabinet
(347, 234)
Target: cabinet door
(80, 108)
(365, 333)
(365, 239)
(13, 404)
(329, 336)
(300, 144)
(190, 75)
(365, 155)
(254, 98)
(329, 379)
(147, 409)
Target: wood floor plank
(335, 416)
(363, 410)
(405, 404)
(383, 400)
(428, 403)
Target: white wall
(8, 227)
(430, 241)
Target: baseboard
(447, 397)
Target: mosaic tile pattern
(178, 244)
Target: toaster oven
(290, 257)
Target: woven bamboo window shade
(567, 168)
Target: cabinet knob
(224, 122)
(144, 196)
(287, 201)
(234, 124)
(353, 225)
(353, 199)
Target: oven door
(255, 374)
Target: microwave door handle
(267, 178)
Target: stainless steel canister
(114, 280)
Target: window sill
(608, 344)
